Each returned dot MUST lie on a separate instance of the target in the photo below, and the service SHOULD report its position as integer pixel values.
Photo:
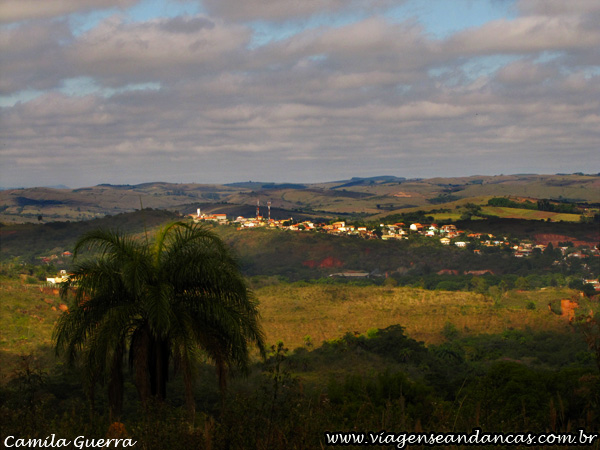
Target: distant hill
(356, 197)
(57, 186)
(357, 181)
(31, 241)
(256, 185)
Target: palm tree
(165, 301)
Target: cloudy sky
(215, 91)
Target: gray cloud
(531, 34)
(525, 73)
(18, 10)
(32, 56)
(273, 10)
(558, 7)
(187, 25)
(120, 53)
(367, 98)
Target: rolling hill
(358, 197)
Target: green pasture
(528, 214)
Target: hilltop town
(447, 234)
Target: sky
(218, 91)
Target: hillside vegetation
(293, 312)
(28, 242)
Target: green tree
(163, 301)
(479, 285)
(590, 326)
(522, 284)
(545, 205)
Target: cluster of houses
(447, 234)
(337, 228)
(56, 258)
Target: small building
(448, 229)
(416, 227)
(56, 280)
(350, 274)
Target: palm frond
(108, 242)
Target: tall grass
(290, 312)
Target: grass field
(528, 214)
(457, 208)
(291, 312)
(27, 318)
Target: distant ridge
(359, 181)
(56, 186)
(263, 185)
(247, 184)
(133, 186)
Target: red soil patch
(568, 308)
(324, 264)
(49, 290)
(448, 272)
(545, 239)
(330, 262)
(479, 273)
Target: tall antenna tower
(269, 207)
(257, 208)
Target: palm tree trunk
(140, 362)
(115, 384)
(188, 381)
(162, 368)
